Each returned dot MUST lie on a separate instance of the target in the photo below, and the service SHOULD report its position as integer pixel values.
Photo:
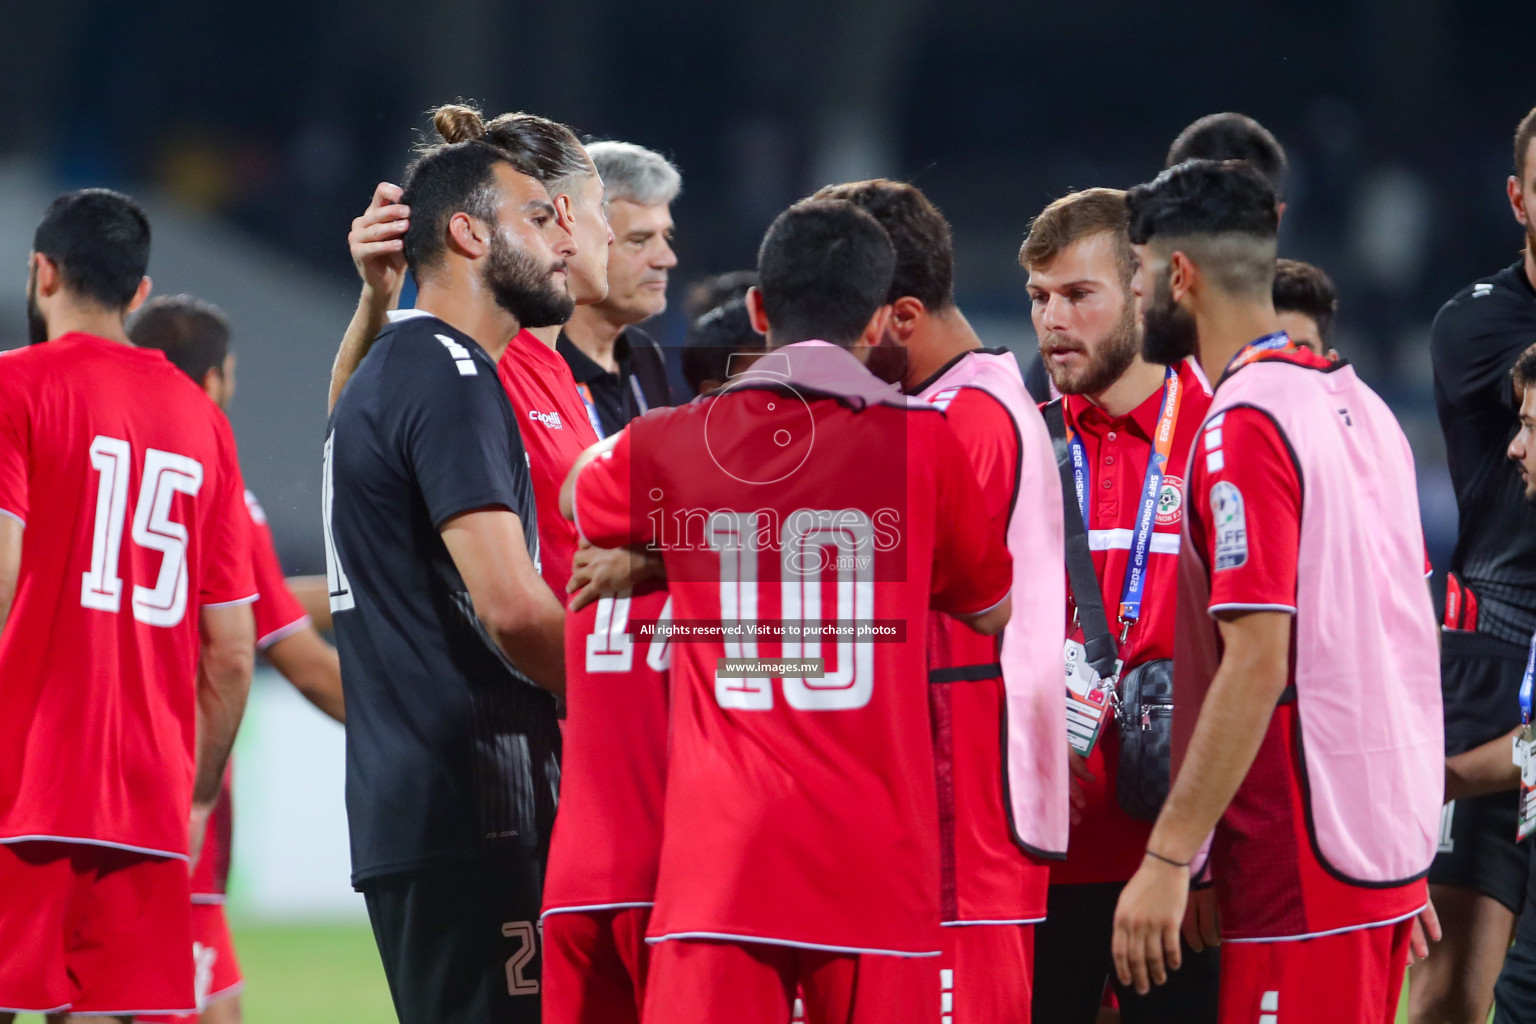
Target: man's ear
(905, 313)
(140, 294)
(755, 311)
(467, 236)
(1517, 202)
(564, 214)
(879, 325)
(212, 382)
(1183, 275)
(47, 274)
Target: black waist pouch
(1145, 720)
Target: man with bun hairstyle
(1307, 727)
(605, 729)
(452, 646)
(1003, 804)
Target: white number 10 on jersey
(805, 542)
(165, 475)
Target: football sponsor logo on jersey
(549, 419)
(1170, 501)
(1231, 525)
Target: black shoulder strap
(1098, 640)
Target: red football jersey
(126, 477)
(1269, 881)
(555, 430)
(1108, 845)
(613, 769)
(278, 615)
(800, 809)
(987, 878)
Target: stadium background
(255, 132)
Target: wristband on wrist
(1168, 860)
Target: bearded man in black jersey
(1478, 881)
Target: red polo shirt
(1107, 845)
(555, 430)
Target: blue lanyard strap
(1526, 684)
(1134, 589)
(1257, 348)
(592, 417)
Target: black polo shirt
(449, 748)
(1477, 337)
(617, 398)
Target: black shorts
(1480, 685)
(1073, 964)
(460, 939)
(1478, 849)
(1514, 995)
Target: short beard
(1116, 351)
(888, 361)
(37, 327)
(523, 288)
(1168, 331)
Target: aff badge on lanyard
(1092, 698)
(1526, 824)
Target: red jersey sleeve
(987, 434)
(972, 570)
(1248, 500)
(227, 577)
(278, 613)
(15, 442)
(606, 515)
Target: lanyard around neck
(1270, 344)
(1134, 588)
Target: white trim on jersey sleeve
(282, 633)
(1238, 606)
(983, 611)
(1002, 921)
(23, 522)
(230, 604)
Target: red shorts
(700, 982)
(94, 930)
(213, 958)
(594, 966)
(1355, 976)
(986, 974)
